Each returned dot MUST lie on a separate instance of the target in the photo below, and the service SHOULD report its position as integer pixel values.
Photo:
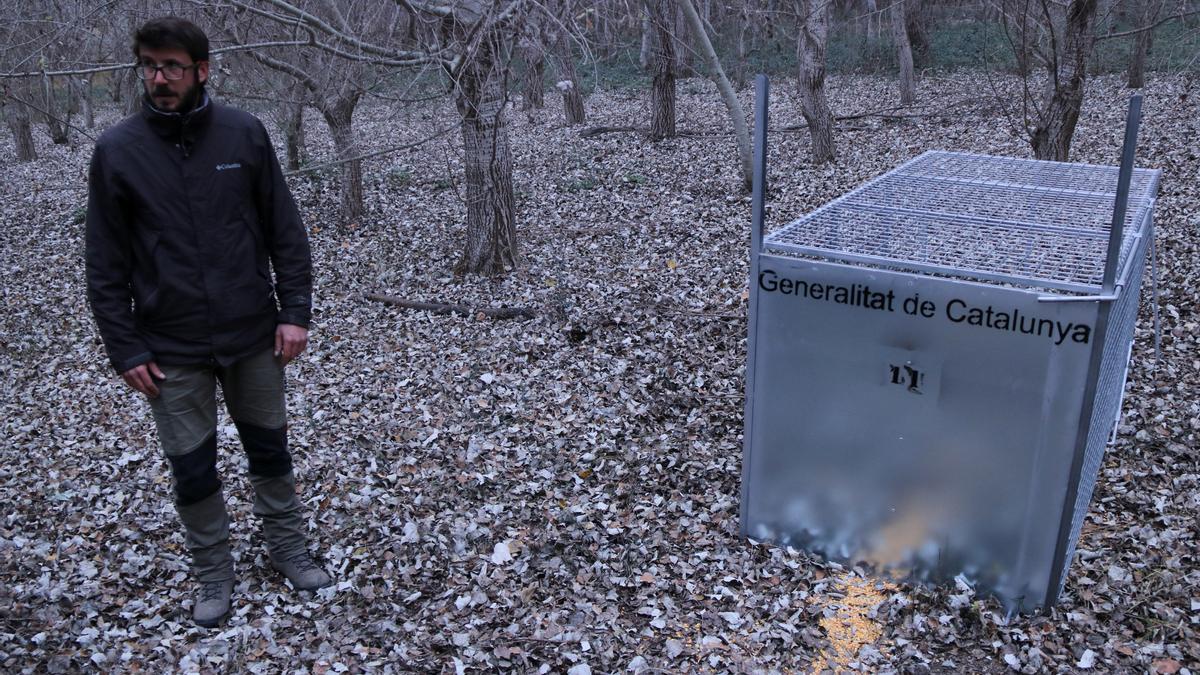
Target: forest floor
(561, 494)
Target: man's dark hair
(171, 32)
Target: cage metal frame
(1041, 226)
(1094, 246)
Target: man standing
(188, 214)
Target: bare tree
(568, 83)
(57, 120)
(662, 63)
(873, 19)
(473, 42)
(568, 78)
(16, 94)
(332, 83)
(83, 92)
(335, 96)
(533, 53)
(810, 50)
(647, 43)
(17, 117)
(736, 115)
(490, 244)
(908, 77)
(1061, 37)
(291, 117)
(1146, 16)
(40, 28)
(741, 72)
(917, 21)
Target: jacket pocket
(245, 276)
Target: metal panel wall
(921, 424)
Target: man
(187, 215)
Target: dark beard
(190, 99)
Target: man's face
(167, 94)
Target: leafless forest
(519, 422)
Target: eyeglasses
(171, 71)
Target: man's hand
(290, 341)
(142, 378)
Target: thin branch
(1054, 64)
(316, 22)
(283, 66)
(125, 66)
(399, 99)
(416, 7)
(447, 308)
(52, 116)
(369, 155)
(1143, 29)
(384, 57)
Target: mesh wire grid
(1109, 388)
(1015, 221)
(1065, 176)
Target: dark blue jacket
(188, 214)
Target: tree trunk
(568, 83)
(662, 67)
(741, 73)
(604, 36)
(134, 91)
(908, 78)
(56, 126)
(535, 76)
(917, 18)
(16, 115)
(338, 114)
(86, 101)
(1141, 44)
(116, 88)
(647, 42)
(1051, 137)
(738, 116)
(810, 50)
(293, 131)
(873, 19)
(490, 245)
(681, 33)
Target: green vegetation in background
(621, 72)
(1176, 48)
(972, 44)
(954, 44)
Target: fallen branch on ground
(447, 308)
(596, 131)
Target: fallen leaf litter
(579, 511)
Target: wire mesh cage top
(1028, 223)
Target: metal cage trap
(937, 361)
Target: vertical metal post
(757, 224)
(1058, 570)
(758, 216)
(1116, 233)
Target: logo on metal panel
(908, 377)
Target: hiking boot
(304, 572)
(212, 603)
(206, 535)
(276, 503)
